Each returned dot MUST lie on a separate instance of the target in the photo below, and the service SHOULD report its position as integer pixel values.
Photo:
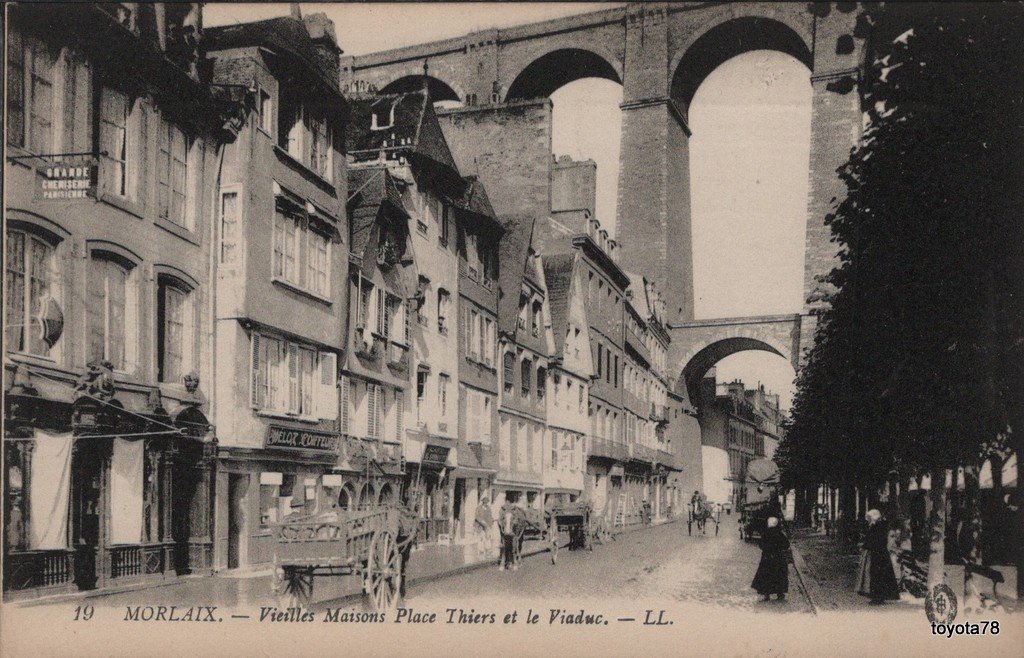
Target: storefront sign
(435, 454)
(67, 181)
(292, 439)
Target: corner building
(109, 200)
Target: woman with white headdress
(876, 579)
(772, 575)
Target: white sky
(748, 154)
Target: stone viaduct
(660, 53)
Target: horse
(700, 514)
(512, 525)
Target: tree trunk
(937, 530)
(970, 537)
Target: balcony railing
(37, 569)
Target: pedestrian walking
(482, 525)
(772, 575)
(876, 579)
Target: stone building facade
(111, 190)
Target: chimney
(321, 32)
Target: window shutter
(380, 312)
(327, 397)
(371, 410)
(346, 401)
(399, 414)
(254, 383)
(293, 376)
(464, 420)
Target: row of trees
(918, 362)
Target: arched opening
(728, 40)
(347, 497)
(366, 495)
(387, 495)
(585, 91)
(441, 92)
(740, 409)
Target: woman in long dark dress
(877, 580)
(772, 575)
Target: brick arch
(444, 72)
(735, 30)
(559, 64)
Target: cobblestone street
(659, 563)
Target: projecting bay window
(30, 282)
(306, 135)
(301, 254)
(175, 330)
(292, 379)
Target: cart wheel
(384, 570)
(294, 587)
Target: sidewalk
(830, 575)
(241, 588)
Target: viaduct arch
(660, 53)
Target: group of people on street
(488, 531)
(876, 577)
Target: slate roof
(284, 35)
(415, 133)
(371, 188)
(558, 275)
(475, 202)
(512, 256)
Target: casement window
(472, 257)
(525, 376)
(175, 330)
(109, 309)
(473, 346)
(365, 310)
(399, 415)
(442, 394)
(306, 136)
(542, 376)
(554, 450)
(31, 280)
(30, 79)
(288, 378)
(490, 345)
(504, 442)
(265, 108)
(444, 301)
(119, 143)
(445, 220)
(421, 394)
(301, 255)
(230, 214)
(536, 323)
(172, 169)
(509, 371)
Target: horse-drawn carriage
(758, 498)
(571, 525)
(368, 543)
(699, 513)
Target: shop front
(258, 488)
(430, 484)
(102, 488)
(473, 476)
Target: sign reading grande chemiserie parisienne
(67, 181)
(290, 439)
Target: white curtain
(126, 492)
(49, 496)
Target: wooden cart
(362, 543)
(571, 526)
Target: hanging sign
(67, 181)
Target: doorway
(86, 512)
(238, 486)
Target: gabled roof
(512, 258)
(372, 189)
(558, 275)
(285, 36)
(475, 202)
(406, 125)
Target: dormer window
(383, 119)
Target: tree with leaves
(917, 362)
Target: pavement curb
(800, 566)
